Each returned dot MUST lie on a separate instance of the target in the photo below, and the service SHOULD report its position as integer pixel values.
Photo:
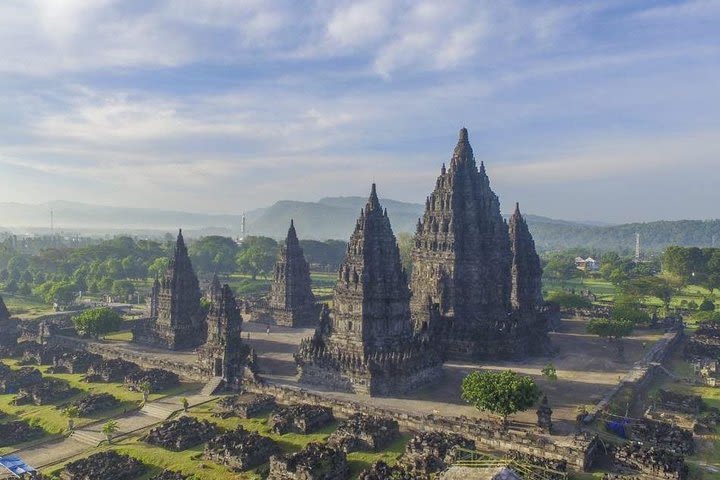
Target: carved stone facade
(224, 354)
(178, 323)
(291, 301)
(366, 344)
(475, 282)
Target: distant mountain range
(334, 218)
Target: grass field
(25, 307)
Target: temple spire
(291, 238)
(373, 202)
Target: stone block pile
(240, 450)
(108, 465)
(11, 381)
(181, 434)
(364, 433)
(18, 431)
(432, 452)
(315, 462)
(662, 435)
(48, 391)
(300, 418)
(246, 405)
(95, 402)
(158, 379)
(112, 370)
(655, 462)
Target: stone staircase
(211, 386)
(160, 410)
(87, 437)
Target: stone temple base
(148, 333)
(301, 317)
(364, 382)
(478, 345)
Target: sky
(603, 111)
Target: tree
(662, 288)
(568, 300)
(62, 293)
(706, 305)
(159, 266)
(560, 267)
(12, 286)
(71, 412)
(406, 242)
(213, 254)
(256, 258)
(502, 393)
(627, 309)
(145, 388)
(109, 429)
(122, 288)
(97, 321)
(185, 404)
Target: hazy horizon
(589, 112)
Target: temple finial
(373, 202)
(463, 134)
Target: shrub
(568, 300)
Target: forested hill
(334, 218)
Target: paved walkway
(88, 437)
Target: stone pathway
(88, 437)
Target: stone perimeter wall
(192, 372)
(579, 455)
(637, 381)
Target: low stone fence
(187, 371)
(635, 383)
(578, 452)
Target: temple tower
(366, 344)
(178, 323)
(461, 278)
(526, 294)
(291, 301)
(223, 355)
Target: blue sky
(581, 110)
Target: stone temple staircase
(87, 437)
(160, 409)
(211, 387)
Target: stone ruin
(181, 434)
(10, 328)
(246, 405)
(655, 462)
(476, 281)
(78, 361)
(112, 370)
(431, 452)
(108, 465)
(291, 301)
(315, 462)
(223, 354)
(18, 431)
(32, 353)
(544, 416)
(705, 342)
(300, 418)
(240, 450)
(661, 435)
(364, 433)
(11, 381)
(94, 403)
(366, 344)
(177, 321)
(169, 475)
(48, 391)
(158, 379)
(679, 402)
(382, 471)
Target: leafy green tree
(63, 293)
(568, 300)
(406, 242)
(257, 256)
(145, 389)
(560, 267)
(97, 321)
(158, 266)
(122, 288)
(502, 393)
(110, 428)
(71, 412)
(214, 254)
(12, 286)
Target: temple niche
(291, 301)
(366, 343)
(177, 321)
(475, 282)
(223, 355)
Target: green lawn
(25, 307)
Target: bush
(630, 313)
(568, 300)
(705, 317)
(97, 322)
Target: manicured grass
(24, 307)
(125, 336)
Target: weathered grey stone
(314, 462)
(108, 465)
(246, 405)
(181, 434)
(366, 344)
(366, 433)
(240, 450)
(300, 418)
(179, 322)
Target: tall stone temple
(475, 281)
(366, 344)
(223, 354)
(177, 322)
(291, 301)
